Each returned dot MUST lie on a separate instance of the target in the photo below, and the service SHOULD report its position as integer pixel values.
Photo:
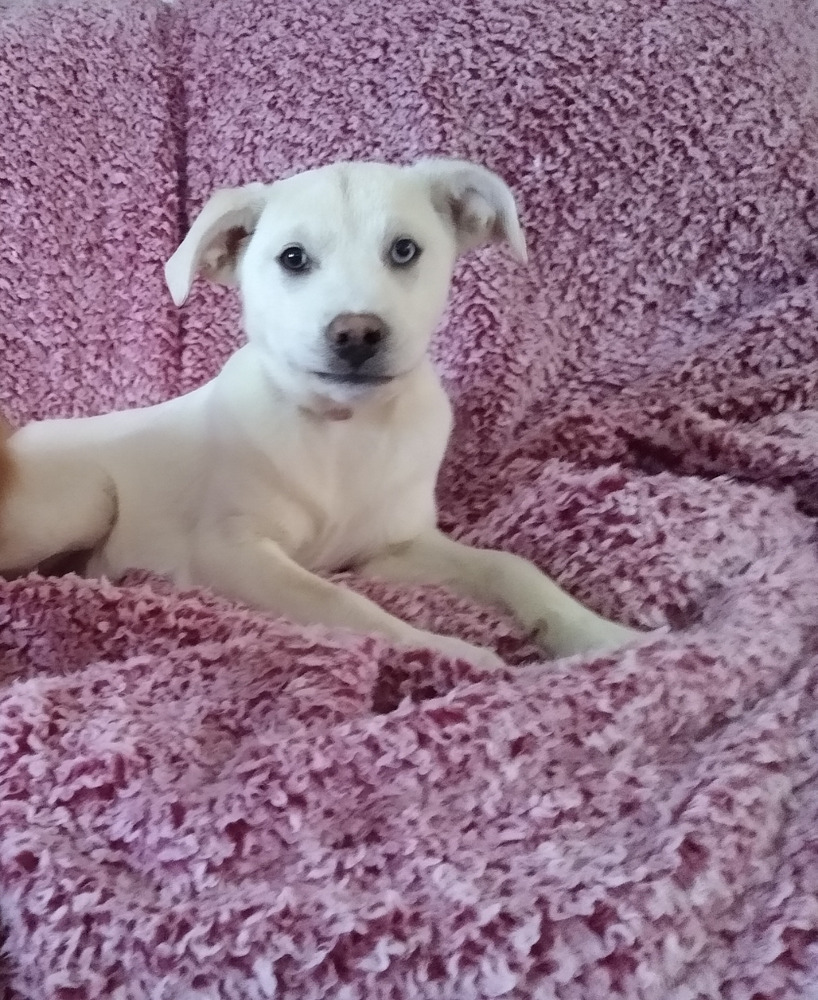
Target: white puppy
(318, 445)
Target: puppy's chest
(344, 494)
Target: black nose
(356, 337)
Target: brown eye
(403, 251)
(294, 259)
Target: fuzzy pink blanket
(200, 803)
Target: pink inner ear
(499, 228)
(225, 251)
(233, 239)
(466, 219)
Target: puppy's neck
(320, 408)
(318, 405)
(246, 384)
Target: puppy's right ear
(216, 239)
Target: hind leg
(51, 506)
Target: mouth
(353, 378)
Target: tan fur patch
(7, 471)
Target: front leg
(248, 567)
(561, 625)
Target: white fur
(271, 472)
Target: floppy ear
(215, 240)
(478, 203)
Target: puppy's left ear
(477, 203)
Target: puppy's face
(346, 276)
(344, 271)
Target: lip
(353, 378)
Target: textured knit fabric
(198, 802)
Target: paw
(477, 656)
(597, 636)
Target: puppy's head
(344, 271)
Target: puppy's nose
(356, 337)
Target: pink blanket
(197, 802)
